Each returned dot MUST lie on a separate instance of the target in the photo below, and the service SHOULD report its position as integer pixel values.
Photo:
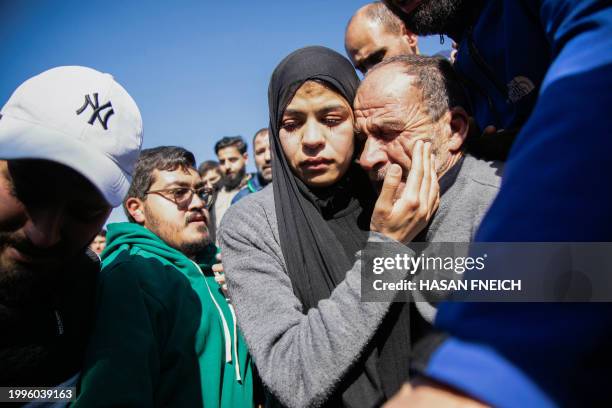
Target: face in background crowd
(49, 214)
(391, 115)
(99, 243)
(212, 178)
(211, 174)
(263, 156)
(316, 134)
(374, 33)
(233, 166)
(168, 211)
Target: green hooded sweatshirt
(164, 334)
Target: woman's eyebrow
(332, 107)
(293, 112)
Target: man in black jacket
(69, 138)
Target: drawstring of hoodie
(237, 365)
(226, 332)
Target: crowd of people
(230, 289)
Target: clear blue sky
(198, 70)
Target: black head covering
(303, 212)
(322, 229)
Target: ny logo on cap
(95, 105)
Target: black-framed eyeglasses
(182, 196)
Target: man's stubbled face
(263, 155)
(391, 116)
(233, 165)
(49, 214)
(181, 226)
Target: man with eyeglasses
(164, 334)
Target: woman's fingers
(434, 190)
(425, 181)
(385, 201)
(415, 175)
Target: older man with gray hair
(405, 102)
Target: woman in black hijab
(289, 251)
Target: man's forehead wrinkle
(372, 106)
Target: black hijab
(322, 229)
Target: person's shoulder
(85, 266)
(83, 274)
(244, 191)
(485, 173)
(254, 212)
(139, 267)
(259, 202)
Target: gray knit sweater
(302, 357)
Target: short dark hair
(166, 158)
(260, 131)
(102, 233)
(436, 78)
(207, 166)
(235, 141)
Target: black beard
(22, 286)
(440, 16)
(232, 182)
(193, 248)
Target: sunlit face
(233, 166)
(391, 116)
(263, 158)
(316, 135)
(211, 178)
(48, 214)
(183, 227)
(98, 244)
(367, 43)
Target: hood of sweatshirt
(133, 236)
(140, 241)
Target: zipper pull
(59, 322)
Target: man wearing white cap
(69, 139)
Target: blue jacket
(544, 66)
(253, 185)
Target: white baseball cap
(78, 117)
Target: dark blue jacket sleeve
(241, 194)
(556, 187)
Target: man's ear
(459, 123)
(135, 207)
(411, 38)
(246, 157)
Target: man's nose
(196, 203)
(45, 226)
(373, 155)
(268, 156)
